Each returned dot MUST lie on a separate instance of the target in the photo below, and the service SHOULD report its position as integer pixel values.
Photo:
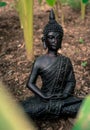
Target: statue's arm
(70, 81)
(31, 84)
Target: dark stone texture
(56, 96)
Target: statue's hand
(53, 97)
(60, 96)
(48, 97)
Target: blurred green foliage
(85, 1)
(2, 4)
(12, 117)
(75, 4)
(51, 2)
(83, 118)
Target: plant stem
(83, 6)
(61, 7)
(25, 10)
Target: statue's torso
(53, 73)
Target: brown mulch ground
(15, 67)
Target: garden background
(15, 67)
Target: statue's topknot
(52, 25)
(51, 16)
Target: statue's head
(53, 33)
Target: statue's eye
(51, 37)
(57, 36)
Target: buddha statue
(56, 96)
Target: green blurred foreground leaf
(2, 4)
(12, 116)
(83, 119)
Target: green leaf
(2, 4)
(39, 1)
(81, 40)
(51, 2)
(84, 64)
(12, 116)
(85, 1)
(83, 118)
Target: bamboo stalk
(61, 7)
(25, 9)
(19, 10)
(56, 12)
(83, 7)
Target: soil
(15, 67)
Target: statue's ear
(44, 43)
(60, 44)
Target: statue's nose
(54, 40)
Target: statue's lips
(53, 45)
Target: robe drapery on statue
(57, 78)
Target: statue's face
(53, 40)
